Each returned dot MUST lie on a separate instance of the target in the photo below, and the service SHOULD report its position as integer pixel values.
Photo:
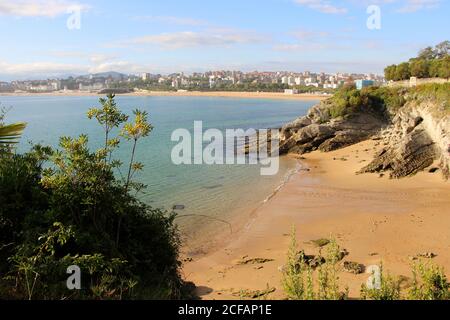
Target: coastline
(221, 94)
(236, 220)
(376, 219)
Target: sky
(53, 38)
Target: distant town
(287, 82)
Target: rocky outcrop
(317, 131)
(417, 138)
(414, 138)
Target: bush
(67, 206)
(374, 100)
(429, 283)
(439, 93)
(298, 278)
(385, 287)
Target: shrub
(429, 283)
(298, 278)
(67, 206)
(383, 287)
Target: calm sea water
(205, 191)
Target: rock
(413, 153)
(254, 261)
(314, 261)
(254, 294)
(427, 255)
(320, 242)
(342, 254)
(353, 267)
(414, 136)
(317, 131)
(416, 139)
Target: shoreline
(236, 221)
(376, 219)
(220, 94)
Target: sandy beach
(376, 219)
(249, 95)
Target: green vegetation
(202, 84)
(9, 134)
(387, 288)
(375, 100)
(439, 93)
(300, 280)
(384, 101)
(430, 63)
(67, 207)
(430, 283)
(317, 278)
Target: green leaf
(9, 134)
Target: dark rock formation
(317, 131)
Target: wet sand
(376, 219)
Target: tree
(442, 49)
(428, 53)
(389, 72)
(109, 117)
(419, 68)
(402, 71)
(434, 68)
(444, 68)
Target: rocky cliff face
(417, 138)
(413, 139)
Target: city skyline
(174, 36)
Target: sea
(207, 197)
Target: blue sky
(197, 35)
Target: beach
(377, 220)
(223, 94)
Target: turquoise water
(205, 191)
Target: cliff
(413, 126)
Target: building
(146, 76)
(290, 91)
(291, 81)
(364, 83)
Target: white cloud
(118, 66)
(46, 69)
(38, 8)
(210, 38)
(417, 5)
(323, 6)
(95, 58)
(173, 20)
(310, 47)
(39, 68)
(309, 35)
